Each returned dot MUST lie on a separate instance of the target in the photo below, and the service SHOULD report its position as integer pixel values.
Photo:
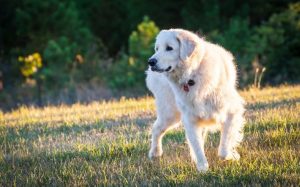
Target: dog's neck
(180, 76)
(183, 73)
(176, 75)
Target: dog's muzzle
(153, 64)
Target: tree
(132, 66)
(277, 44)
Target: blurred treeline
(56, 45)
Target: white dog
(195, 81)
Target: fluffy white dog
(195, 81)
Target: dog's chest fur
(189, 101)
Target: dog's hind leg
(160, 127)
(231, 136)
(168, 115)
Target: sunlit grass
(106, 143)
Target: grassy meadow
(106, 144)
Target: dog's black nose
(152, 61)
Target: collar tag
(191, 82)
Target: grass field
(107, 144)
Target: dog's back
(228, 76)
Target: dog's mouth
(155, 68)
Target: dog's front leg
(196, 139)
(160, 127)
(158, 132)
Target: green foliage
(141, 42)
(58, 30)
(277, 43)
(60, 56)
(201, 16)
(129, 70)
(40, 21)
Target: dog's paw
(229, 155)
(155, 152)
(202, 167)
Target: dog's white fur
(212, 101)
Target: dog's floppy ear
(187, 46)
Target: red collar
(186, 86)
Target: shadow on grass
(31, 133)
(48, 169)
(240, 179)
(261, 127)
(275, 104)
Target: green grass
(107, 144)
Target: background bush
(277, 43)
(104, 40)
(129, 70)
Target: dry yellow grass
(106, 143)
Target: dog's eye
(156, 48)
(169, 48)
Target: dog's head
(173, 48)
